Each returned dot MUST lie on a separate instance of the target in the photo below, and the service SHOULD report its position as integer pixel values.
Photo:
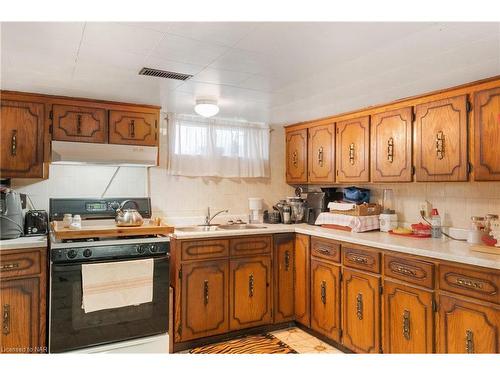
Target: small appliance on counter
(255, 206)
(11, 214)
(36, 222)
(388, 217)
(317, 202)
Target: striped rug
(254, 344)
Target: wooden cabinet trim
(325, 249)
(296, 161)
(204, 249)
(342, 161)
(324, 156)
(246, 246)
(409, 270)
(367, 260)
(20, 264)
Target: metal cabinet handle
(324, 251)
(294, 158)
(358, 259)
(9, 266)
(287, 260)
(13, 143)
(6, 319)
(320, 156)
(404, 271)
(250, 285)
(79, 124)
(205, 292)
(351, 153)
(406, 325)
(440, 145)
(469, 283)
(132, 128)
(359, 306)
(390, 150)
(323, 292)
(469, 341)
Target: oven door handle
(65, 267)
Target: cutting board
(107, 230)
(486, 249)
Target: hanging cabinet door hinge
(180, 273)
(434, 305)
(381, 289)
(51, 129)
(51, 115)
(468, 106)
(413, 170)
(469, 167)
(340, 332)
(340, 276)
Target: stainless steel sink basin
(240, 226)
(198, 228)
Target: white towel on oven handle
(117, 284)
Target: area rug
(254, 344)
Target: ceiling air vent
(164, 74)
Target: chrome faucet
(208, 218)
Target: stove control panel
(83, 254)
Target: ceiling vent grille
(164, 74)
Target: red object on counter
(488, 240)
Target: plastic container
(67, 219)
(476, 230)
(76, 222)
(436, 230)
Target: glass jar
(67, 220)
(476, 230)
(488, 220)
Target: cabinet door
(353, 150)
(321, 153)
(250, 292)
(79, 124)
(408, 319)
(441, 140)
(133, 128)
(22, 136)
(361, 312)
(283, 277)
(20, 309)
(302, 280)
(466, 327)
(487, 135)
(204, 299)
(325, 298)
(296, 156)
(391, 144)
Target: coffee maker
(317, 202)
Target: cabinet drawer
(250, 246)
(326, 249)
(363, 259)
(409, 270)
(206, 249)
(20, 264)
(479, 283)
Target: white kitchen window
(217, 147)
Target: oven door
(71, 328)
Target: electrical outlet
(426, 207)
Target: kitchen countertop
(23, 243)
(443, 249)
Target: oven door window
(72, 328)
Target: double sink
(216, 227)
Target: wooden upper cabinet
(296, 156)
(79, 124)
(325, 298)
(391, 146)
(487, 135)
(353, 150)
(321, 156)
(204, 299)
(441, 140)
(283, 266)
(467, 327)
(408, 319)
(133, 128)
(250, 301)
(302, 280)
(361, 312)
(22, 136)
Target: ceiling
(277, 71)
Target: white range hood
(103, 154)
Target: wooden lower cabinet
(302, 280)
(467, 327)
(250, 302)
(283, 265)
(204, 299)
(361, 311)
(408, 325)
(325, 298)
(23, 301)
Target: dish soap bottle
(436, 231)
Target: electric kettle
(128, 217)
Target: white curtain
(217, 147)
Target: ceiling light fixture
(206, 107)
